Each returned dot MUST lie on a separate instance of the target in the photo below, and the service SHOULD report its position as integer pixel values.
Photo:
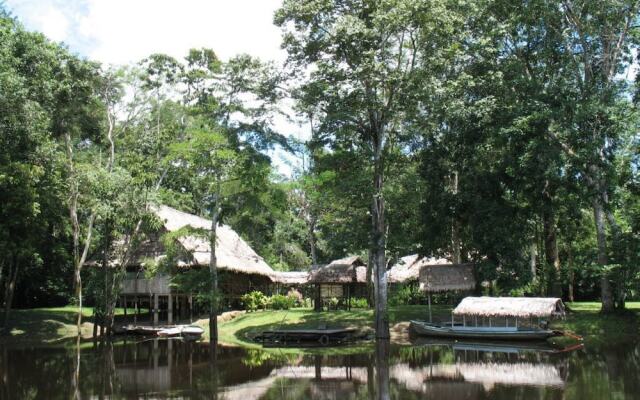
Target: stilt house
(240, 268)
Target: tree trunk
(606, 292)
(551, 253)
(533, 261)
(571, 273)
(455, 225)
(2, 264)
(370, 292)
(313, 241)
(78, 260)
(213, 273)
(379, 244)
(317, 303)
(10, 290)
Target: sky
(125, 31)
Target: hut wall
(141, 286)
(328, 291)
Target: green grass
(585, 319)
(239, 331)
(47, 325)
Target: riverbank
(51, 325)
(48, 325)
(583, 318)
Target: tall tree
(212, 167)
(361, 59)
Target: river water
(140, 368)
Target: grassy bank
(240, 330)
(48, 325)
(583, 318)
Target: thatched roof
(232, 253)
(408, 267)
(522, 307)
(344, 270)
(447, 277)
(291, 277)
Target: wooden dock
(307, 337)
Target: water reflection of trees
(191, 370)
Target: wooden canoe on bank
(446, 330)
(306, 337)
(184, 331)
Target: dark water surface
(139, 368)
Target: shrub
(410, 294)
(254, 300)
(281, 302)
(359, 303)
(307, 302)
(296, 295)
(333, 303)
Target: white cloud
(125, 31)
(53, 24)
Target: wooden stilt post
(190, 309)
(156, 307)
(125, 305)
(170, 309)
(136, 311)
(429, 301)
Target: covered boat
(522, 310)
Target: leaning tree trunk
(378, 243)
(606, 292)
(213, 274)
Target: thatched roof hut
(447, 277)
(232, 252)
(345, 270)
(407, 269)
(521, 307)
(291, 277)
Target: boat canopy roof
(521, 307)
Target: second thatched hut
(341, 279)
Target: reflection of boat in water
(488, 346)
(486, 373)
(459, 331)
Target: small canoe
(422, 328)
(306, 337)
(184, 331)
